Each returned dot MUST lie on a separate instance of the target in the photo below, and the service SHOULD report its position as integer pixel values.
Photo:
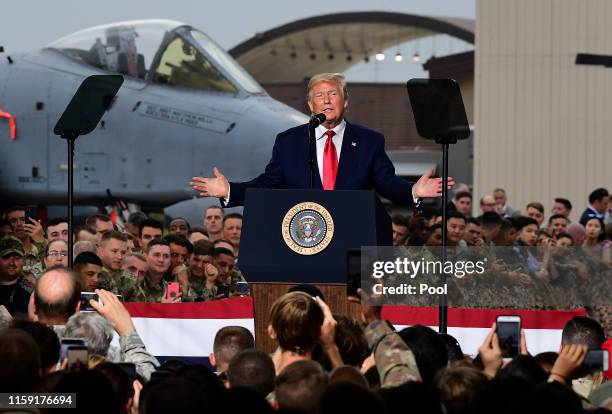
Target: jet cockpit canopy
(159, 51)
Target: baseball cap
(11, 245)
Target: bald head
(84, 246)
(56, 296)
(487, 203)
(578, 233)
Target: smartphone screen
(173, 290)
(597, 359)
(242, 288)
(85, 297)
(66, 343)
(509, 335)
(77, 354)
(223, 291)
(31, 212)
(353, 271)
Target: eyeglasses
(53, 253)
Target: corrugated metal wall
(543, 124)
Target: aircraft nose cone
(258, 129)
(277, 115)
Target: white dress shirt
(321, 136)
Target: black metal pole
(443, 308)
(70, 140)
(310, 155)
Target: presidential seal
(308, 228)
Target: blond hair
(337, 78)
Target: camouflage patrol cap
(10, 245)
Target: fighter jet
(184, 107)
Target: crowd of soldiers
(535, 264)
(136, 261)
(323, 363)
(528, 263)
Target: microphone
(316, 120)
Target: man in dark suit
(348, 157)
(598, 204)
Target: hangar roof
(335, 42)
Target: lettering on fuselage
(178, 116)
(37, 180)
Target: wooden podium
(272, 225)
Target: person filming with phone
(153, 287)
(96, 328)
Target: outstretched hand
(430, 187)
(211, 187)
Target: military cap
(10, 245)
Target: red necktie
(330, 162)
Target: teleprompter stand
(439, 115)
(81, 116)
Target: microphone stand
(314, 122)
(311, 134)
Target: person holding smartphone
(131, 347)
(153, 287)
(31, 234)
(505, 339)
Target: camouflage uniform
(132, 349)
(229, 285)
(150, 292)
(395, 361)
(596, 288)
(41, 247)
(394, 279)
(121, 283)
(32, 262)
(563, 280)
(235, 276)
(199, 292)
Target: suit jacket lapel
(348, 156)
(316, 177)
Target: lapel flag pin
(354, 144)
